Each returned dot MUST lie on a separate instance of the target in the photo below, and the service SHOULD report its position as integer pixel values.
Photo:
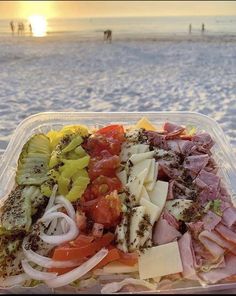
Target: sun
(38, 24)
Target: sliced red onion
(36, 274)
(67, 205)
(47, 262)
(71, 276)
(59, 239)
(14, 280)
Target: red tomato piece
(128, 258)
(105, 165)
(108, 210)
(79, 252)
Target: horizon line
(128, 16)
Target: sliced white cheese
(127, 150)
(177, 206)
(122, 175)
(139, 167)
(147, 235)
(160, 261)
(153, 213)
(135, 185)
(143, 148)
(117, 267)
(144, 194)
(136, 218)
(150, 186)
(152, 210)
(120, 232)
(135, 158)
(159, 194)
(151, 172)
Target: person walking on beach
(203, 28)
(30, 28)
(190, 29)
(12, 27)
(108, 35)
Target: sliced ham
(211, 246)
(226, 233)
(195, 163)
(195, 228)
(173, 145)
(172, 221)
(203, 140)
(164, 233)
(185, 146)
(172, 173)
(218, 239)
(156, 139)
(210, 220)
(170, 127)
(229, 216)
(170, 190)
(209, 183)
(187, 256)
(215, 275)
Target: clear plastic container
(43, 122)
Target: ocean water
(92, 27)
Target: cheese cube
(122, 175)
(159, 194)
(136, 218)
(135, 158)
(152, 210)
(160, 261)
(139, 167)
(144, 194)
(135, 185)
(151, 172)
(143, 148)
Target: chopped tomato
(81, 220)
(82, 240)
(108, 138)
(104, 185)
(114, 131)
(128, 258)
(105, 164)
(79, 252)
(112, 255)
(108, 210)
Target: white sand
(55, 73)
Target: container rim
(41, 116)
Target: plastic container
(43, 122)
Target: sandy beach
(67, 73)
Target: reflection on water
(38, 25)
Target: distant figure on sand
(21, 28)
(190, 29)
(12, 27)
(203, 28)
(108, 35)
(30, 28)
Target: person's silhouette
(203, 28)
(12, 27)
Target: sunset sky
(72, 9)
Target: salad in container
(107, 204)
